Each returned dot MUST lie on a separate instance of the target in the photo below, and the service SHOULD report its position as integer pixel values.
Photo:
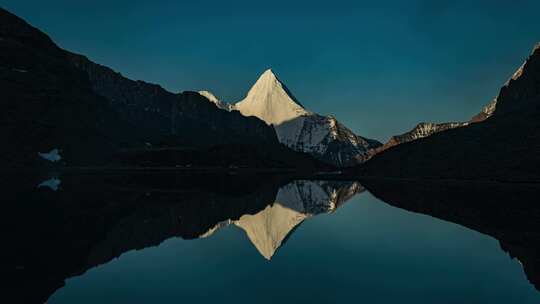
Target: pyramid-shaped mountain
(322, 136)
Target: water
(315, 242)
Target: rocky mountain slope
(423, 129)
(321, 136)
(502, 144)
(81, 113)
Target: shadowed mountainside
(47, 103)
(56, 100)
(505, 146)
(421, 130)
(168, 118)
(323, 137)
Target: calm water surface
(310, 245)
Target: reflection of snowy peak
(294, 203)
(270, 101)
(268, 229)
(314, 197)
(322, 136)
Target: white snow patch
(210, 96)
(52, 183)
(220, 104)
(53, 155)
(19, 70)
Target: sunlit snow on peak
(270, 101)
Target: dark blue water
(365, 251)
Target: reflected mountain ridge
(508, 212)
(267, 228)
(93, 219)
(295, 202)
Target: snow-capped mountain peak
(270, 100)
(321, 136)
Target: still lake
(314, 242)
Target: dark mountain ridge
(188, 117)
(502, 143)
(55, 100)
(46, 101)
(421, 130)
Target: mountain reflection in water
(266, 226)
(90, 219)
(94, 218)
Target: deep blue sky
(378, 67)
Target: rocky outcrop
(502, 144)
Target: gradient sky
(380, 67)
